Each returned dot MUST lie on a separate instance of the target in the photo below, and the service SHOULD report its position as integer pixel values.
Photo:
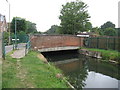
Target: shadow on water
(61, 55)
(85, 72)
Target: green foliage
(53, 30)
(31, 27)
(108, 29)
(6, 36)
(108, 54)
(96, 30)
(22, 33)
(108, 24)
(88, 26)
(20, 24)
(118, 31)
(23, 26)
(74, 17)
(110, 32)
(9, 73)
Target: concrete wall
(49, 41)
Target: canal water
(85, 72)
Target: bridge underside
(58, 49)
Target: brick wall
(49, 41)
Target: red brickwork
(50, 41)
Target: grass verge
(107, 54)
(30, 72)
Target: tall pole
(15, 34)
(9, 25)
(119, 14)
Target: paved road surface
(10, 47)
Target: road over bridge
(46, 43)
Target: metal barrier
(27, 47)
(102, 42)
(20, 39)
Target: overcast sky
(46, 12)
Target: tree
(20, 24)
(108, 24)
(6, 36)
(96, 30)
(108, 28)
(23, 26)
(53, 30)
(110, 32)
(74, 17)
(118, 31)
(88, 26)
(31, 27)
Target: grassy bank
(30, 72)
(0, 73)
(107, 54)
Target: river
(85, 72)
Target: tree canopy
(74, 17)
(53, 30)
(108, 24)
(23, 26)
(110, 32)
(108, 29)
(31, 27)
(20, 24)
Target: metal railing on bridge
(27, 47)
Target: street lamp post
(9, 23)
(16, 31)
(15, 35)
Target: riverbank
(107, 55)
(30, 72)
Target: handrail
(27, 47)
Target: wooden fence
(112, 43)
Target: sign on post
(15, 44)
(14, 39)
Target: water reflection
(76, 72)
(98, 80)
(85, 72)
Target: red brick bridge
(45, 43)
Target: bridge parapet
(52, 41)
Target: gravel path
(18, 53)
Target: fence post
(107, 43)
(89, 42)
(97, 42)
(114, 42)
(26, 49)
(118, 42)
(3, 46)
